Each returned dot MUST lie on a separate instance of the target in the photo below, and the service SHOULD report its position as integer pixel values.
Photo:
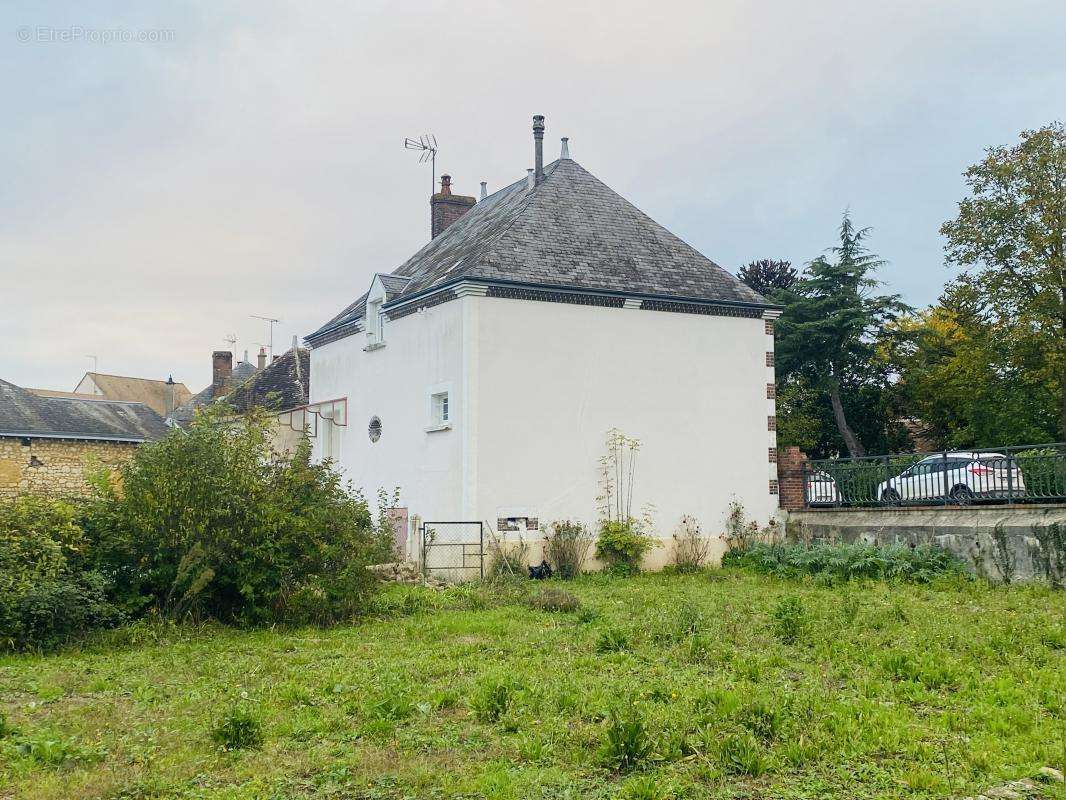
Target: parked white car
(961, 477)
(821, 489)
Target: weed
(846, 561)
(587, 615)
(566, 547)
(393, 705)
(645, 787)
(741, 753)
(612, 640)
(554, 600)
(789, 620)
(239, 729)
(54, 752)
(849, 607)
(691, 547)
(493, 698)
(6, 728)
(626, 743)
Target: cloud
(157, 195)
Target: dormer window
(375, 327)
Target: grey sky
(156, 194)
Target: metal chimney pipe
(484, 189)
(538, 147)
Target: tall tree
(1009, 234)
(832, 320)
(768, 276)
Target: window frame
(440, 408)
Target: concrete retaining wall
(1003, 543)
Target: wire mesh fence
(454, 551)
(1029, 474)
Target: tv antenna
(271, 321)
(427, 145)
(231, 340)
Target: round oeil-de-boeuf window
(374, 429)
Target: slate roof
(138, 390)
(183, 414)
(571, 231)
(25, 414)
(281, 385)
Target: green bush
(566, 547)
(622, 545)
(46, 594)
(211, 522)
(847, 561)
(1043, 470)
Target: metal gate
(455, 550)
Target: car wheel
(890, 496)
(962, 495)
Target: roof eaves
(80, 437)
(401, 301)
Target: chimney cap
(484, 189)
(445, 184)
(564, 151)
(170, 380)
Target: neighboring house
(160, 396)
(280, 387)
(482, 375)
(47, 441)
(224, 377)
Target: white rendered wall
(552, 378)
(422, 351)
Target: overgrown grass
(843, 562)
(660, 686)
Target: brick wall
(790, 461)
(55, 466)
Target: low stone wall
(1003, 543)
(54, 466)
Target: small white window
(374, 332)
(440, 409)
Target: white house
(482, 375)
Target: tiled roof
(281, 385)
(138, 390)
(184, 413)
(25, 414)
(570, 231)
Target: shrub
(211, 522)
(691, 547)
(626, 743)
(238, 730)
(566, 547)
(506, 562)
(789, 620)
(47, 595)
(622, 545)
(847, 561)
(554, 600)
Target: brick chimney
(445, 207)
(221, 371)
(169, 400)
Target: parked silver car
(962, 477)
